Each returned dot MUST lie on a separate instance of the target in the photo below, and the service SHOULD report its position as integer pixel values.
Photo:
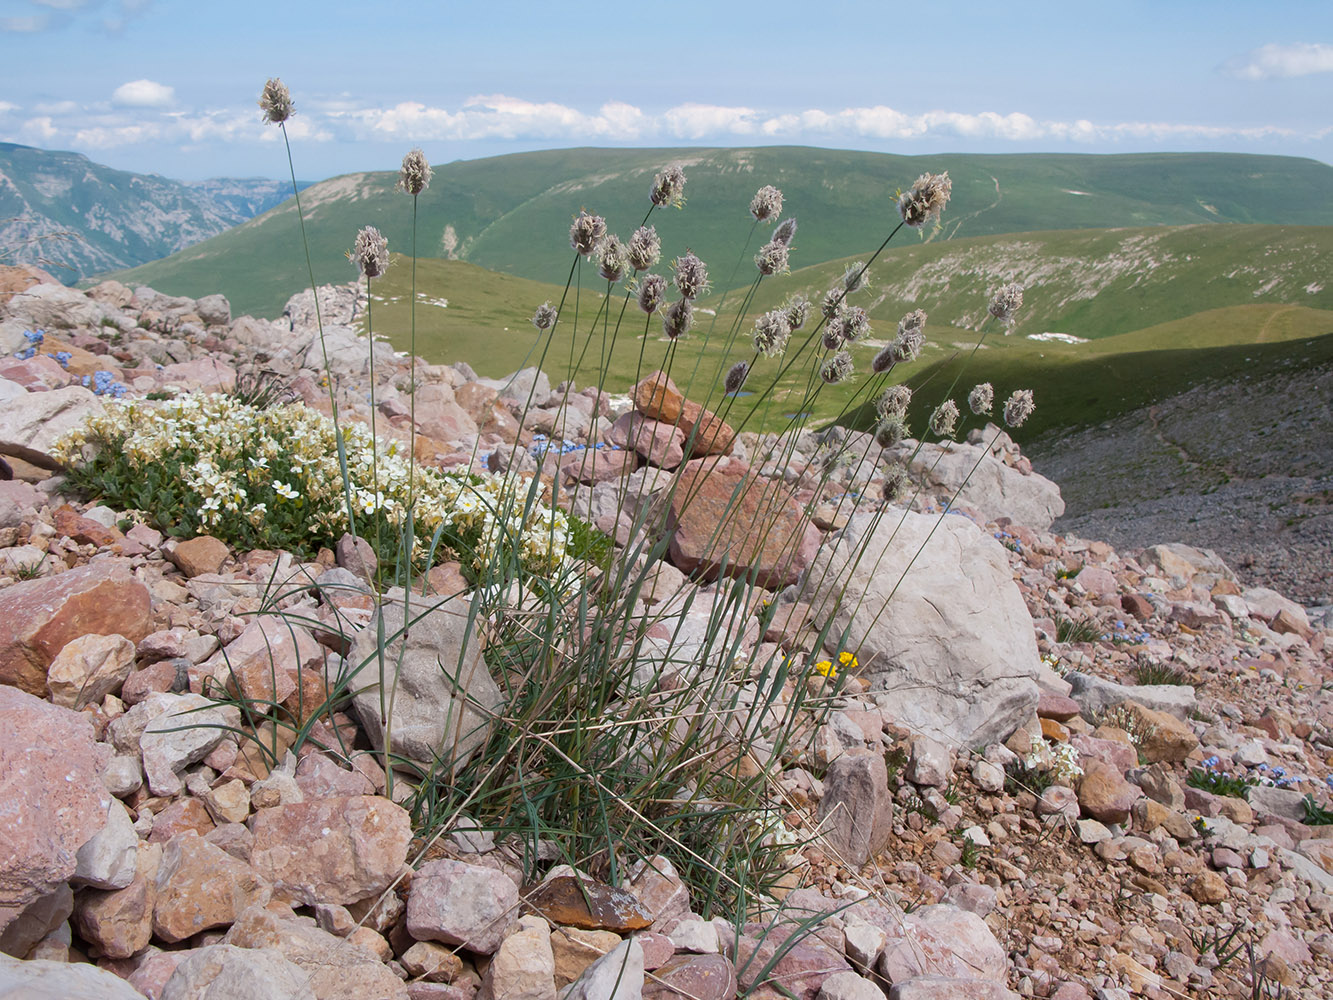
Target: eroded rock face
(437, 680)
(52, 800)
(987, 485)
(952, 655)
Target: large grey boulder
(988, 486)
(46, 980)
(441, 690)
(348, 352)
(932, 613)
(1095, 695)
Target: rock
(724, 523)
(332, 850)
(576, 949)
(1163, 736)
(766, 958)
(1058, 800)
(953, 655)
(660, 889)
(54, 799)
(202, 554)
(943, 988)
(430, 722)
(1056, 706)
(89, 668)
(1104, 794)
(929, 763)
(1207, 887)
(660, 444)
(214, 310)
(461, 904)
(985, 484)
(265, 661)
(618, 975)
(47, 980)
(107, 859)
(119, 922)
(856, 812)
(47, 306)
(524, 967)
(1267, 604)
(693, 977)
(1096, 695)
(1286, 803)
(432, 961)
(590, 905)
(184, 734)
(38, 618)
(943, 940)
(226, 972)
(31, 424)
(200, 886)
(337, 968)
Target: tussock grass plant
(629, 724)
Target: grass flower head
(766, 203)
(926, 199)
(275, 101)
(414, 176)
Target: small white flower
(285, 491)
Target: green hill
(512, 213)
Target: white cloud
(56, 107)
(6, 107)
(1269, 61)
(698, 121)
(493, 116)
(41, 128)
(143, 94)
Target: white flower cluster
(1061, 760)
(282, 463)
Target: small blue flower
(1212, 761)
(26, 353)
(34, 336)
(62, 358)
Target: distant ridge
(74, 217)
(512, 213)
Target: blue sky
(169, 86)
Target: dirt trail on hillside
(1244, 467)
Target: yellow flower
(848, 660)
(826, 668)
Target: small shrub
(1315, 814)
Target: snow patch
(1060, 338)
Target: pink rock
(943, 940)
(754, 526)
(1096, 580)
(38, 617)
(595, 465)
(1119, 755)
(460, 904)
(88, 669)
(52, 800)
(202, 554)
(119, 922)
(334, 850)
(320, 777)
(703, 977)
(856, 812)
(36, 374)
(1059, 707)
(264, 660)
(202, 373)
(661, 444)
(661, 890)
(801, 971)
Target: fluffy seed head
(275, 101)
(784, 233)
(678, 318)
(767, 202)
(981, 399)
(832, 299)
(370, 252)
(895, 485)
(586, 232)
(914, 320)
(833, 335)
(893, 402)
(545, 316)
(773, 258)
(415, 173)
(944, 421)
(926, 199)
(652, 291)
(1018, 407)
(855, 322)
(797, 310)
(612, 259)
(837, 368)
(645, 248)
(736, 377)
(771, 331)
(885, 358)
(890, 431)
(907, 346)
(855, 277)
(1006, 301)
(691, 276)
(669, 187)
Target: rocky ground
(1052, 847)
(1243, 467)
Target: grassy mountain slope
(512, 213)
(1153, 334)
